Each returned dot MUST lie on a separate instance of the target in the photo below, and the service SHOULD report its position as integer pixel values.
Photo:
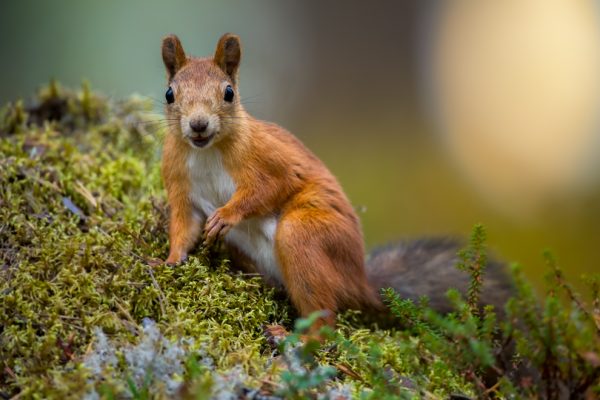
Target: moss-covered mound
(87, 308)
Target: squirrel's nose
(199, 125)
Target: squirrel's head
(202, 95)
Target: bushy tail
(427, 267)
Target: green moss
(82, 225)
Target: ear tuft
(228, 55)
(173, 55)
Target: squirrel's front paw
(218, 225)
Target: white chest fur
(211, 185)
(211, 188)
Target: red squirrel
(274, 203)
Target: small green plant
(303, 375)
(549, 349)
(558, 339)
(473, 260)
(355, 363)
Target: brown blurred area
(434, 115)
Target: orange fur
(183, 231)
(318, 240)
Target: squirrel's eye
(228, 94)
(169, 95)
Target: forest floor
(88, 309)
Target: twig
(492, 388)
(161, 295)
(127, 315)
(551, 262)
(348, 371)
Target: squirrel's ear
(228, 55)
(173, 55)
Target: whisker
(154, 99)
(160, 119)
(157, 122)
(155, 125)
(149, 112)
(250, 97)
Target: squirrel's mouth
(200, 141)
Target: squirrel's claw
(175, 258)
(215, 227)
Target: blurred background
(434, 115)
